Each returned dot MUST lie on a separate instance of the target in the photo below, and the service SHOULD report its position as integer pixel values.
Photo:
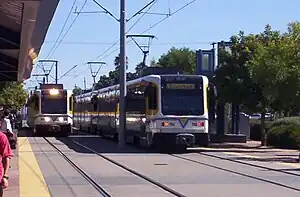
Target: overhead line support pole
(56, 72)
(122, 118)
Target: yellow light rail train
(50, 110)
(161, 110)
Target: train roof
(113, 87)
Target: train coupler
(54, 128)
(186, 139)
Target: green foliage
(13, 95)
(77, 90)
(139, 67)
(262, 72)
(183, 58)
(284, 136)
(232, 79)
(117, 62)
(287, 121)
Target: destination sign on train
(50, 86)
(180, 86)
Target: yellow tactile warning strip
(32, 183)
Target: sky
(195, 26)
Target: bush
(255, 133)
(284, 135)
(287, 121)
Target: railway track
(80, 171)
(249, 164)
(208, 165)
(96, 185)
(241, 173)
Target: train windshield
(182, 97)
(54, 104)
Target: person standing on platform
(6, 123)
(5, 156)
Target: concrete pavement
(38, 170)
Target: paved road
(194, 179)
(63, 180)
(44, 172)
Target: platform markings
(32, 182)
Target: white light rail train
(161, 111)
(50, 110)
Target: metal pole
(56, 72)
(84, 83)
(122, 125)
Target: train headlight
(144, 120)
(60, 119)
(47, 119)
(53, 91)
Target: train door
(71, 108)
(151, 95)
(94, 114)
(151, 100)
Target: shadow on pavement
(25, 132)
(102, 146)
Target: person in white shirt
(5, 123)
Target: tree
(183, 58)
(265, 67)
(104, 81)
(153, 63)
(287, 99)
(253, 71)
(77, 90)
(13, 95)
(117, 62)
(139, 67)
(232, 78)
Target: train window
(135, 105)
(151, 93)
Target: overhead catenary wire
(62, 29)
(151, 27)
(71, 25)
(154, 44)
(150, 4)
(130, 28)
(101, 57)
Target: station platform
(38, 170)
(26, 178)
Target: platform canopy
(23, 28)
